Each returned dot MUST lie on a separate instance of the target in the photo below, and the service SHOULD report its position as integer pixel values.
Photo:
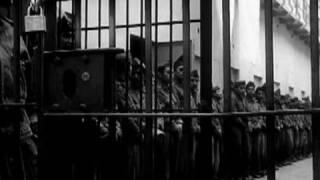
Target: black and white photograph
(159, 90)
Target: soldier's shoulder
(7, 20)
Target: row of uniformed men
(239, 142)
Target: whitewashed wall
(291, 55)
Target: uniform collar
(7, 20)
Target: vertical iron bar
(16, 62)
(226, 55)
(51, 16)
(42, 148)
(50, 44)
(112, 23)
(141, 35)
(186, 53)
(76, 8)
(156, 57)
(270, 89)
(59, 25)
(170, 52)
(127, 26)
(314, 39)
(20, 171)
(99, 23)
(73, 23)
(206, 88)
(127, 58)
(86, 26)
(187, 136)
(141, 18)
(148, 55)
(148, 60)
(156, 78)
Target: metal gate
(150, 114)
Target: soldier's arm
(237, 120)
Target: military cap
(250, 84)
(264, 87)
(295, 99)
(195, 74)
(66, 21)
(215, 89)
(178, 62)
(161, 68)
(261, 88)
(137, 63)
(282, 97)
(306, 98)
(287, 96)
(122, 62)
(277, 92)
(239, 83)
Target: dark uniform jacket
(8, 86)
(216, 122)
(238, 104)
(255, 122)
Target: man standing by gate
(8, 87)
(237, 136)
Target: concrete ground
(301, 170)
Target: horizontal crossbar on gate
(18, 105)
(163, 23)
(145, 115)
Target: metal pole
(314, 25)
(186, 53)
(206, 88)
(19, 165)
(226, 55)
(270, 87)
(148, 60)
(112, 23)
(77, 23)
(187, 136)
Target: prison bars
(270, 120)
(314, 27)
(315, 73)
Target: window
(276, 86)
(257, 80)
(235, 75)
(291, 91)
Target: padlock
(35, 23)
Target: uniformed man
(217, 107)
(298, 128)
(237, 135)
(8, 95)
(303, 131)
(133, 128)
(195, 99)
(110, 144)
(280, 141)
(178, 81)
(164, 91)
(177, 144)
(289, 131)
(308, 126)
(65, 31)
(255, 126)
(195, 95)
(260, 95)
(195, 129)
(165, 103)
